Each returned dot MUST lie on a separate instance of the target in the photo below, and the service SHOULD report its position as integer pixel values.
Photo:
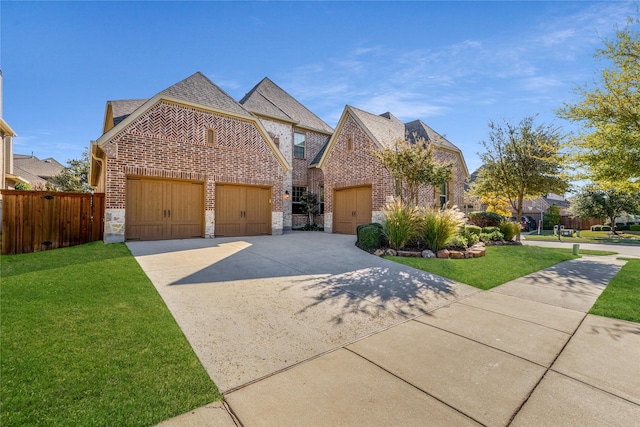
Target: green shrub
(551, 217)
(494, 236)
(472, 239)
(621, 226)
(22, 186)
(509, 230)
(440, 226)
(485, 219)
(369, 236)
(490, 230)
(596, 228)
(458, 241)
(472, 229)
(401, 224)
(634, 227)
(497, 236)
(606, 228)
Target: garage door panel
(258, 211)
(163, 209)
(352, 207)
(242, 210)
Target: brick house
(357, 187)
(193, 162)
(189, 162)
(300, 136)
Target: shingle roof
(269, 99)
(316, 160)
(123, 107)
(199, 89)
(384, 128)
(35, 170)
(418, 129)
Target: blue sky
(454, 65)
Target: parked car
(528, 224)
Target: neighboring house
(38, 173)
(7, 176)
(193, 162)
(357, 186)
(300, 135)
(188, 162)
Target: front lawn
(86, 340)
(588, 236)
(621, 297)
(501, 264)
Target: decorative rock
(478, 253)
(391, 252)
(442, 253)
(428, 254)
(379, 252)
(410, 254)
(468, 254)
(456, 255)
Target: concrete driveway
(254, 306)
(306, 329)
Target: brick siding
(344, 168)
(169, 141)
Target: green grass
(588, 236)
(621, 297)
(500, 265)
(86, 340)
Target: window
(299, 142)
(349, 144)
(296, 206)
(211, 136)
(443, 194)
(321, 200)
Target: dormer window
(211, 137)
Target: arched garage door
(163, 209)
(351, 207)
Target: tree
(497, 204)
(521, 162)
(75, 177)
(412, 166)
(608, 150)
(597, 203)
(309, 205)
(551, 217)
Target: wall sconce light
(286, 195)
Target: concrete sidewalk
(523, 354)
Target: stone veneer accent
(113, 225)
(328, 222)
(209, 223)
(276, 223)
(377, 216)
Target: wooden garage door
(242, 210)
(164, 209)
(351, 207)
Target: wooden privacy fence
(577, 223)
(35, 221)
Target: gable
(385, 128)
(269, 100)
(195, 93)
